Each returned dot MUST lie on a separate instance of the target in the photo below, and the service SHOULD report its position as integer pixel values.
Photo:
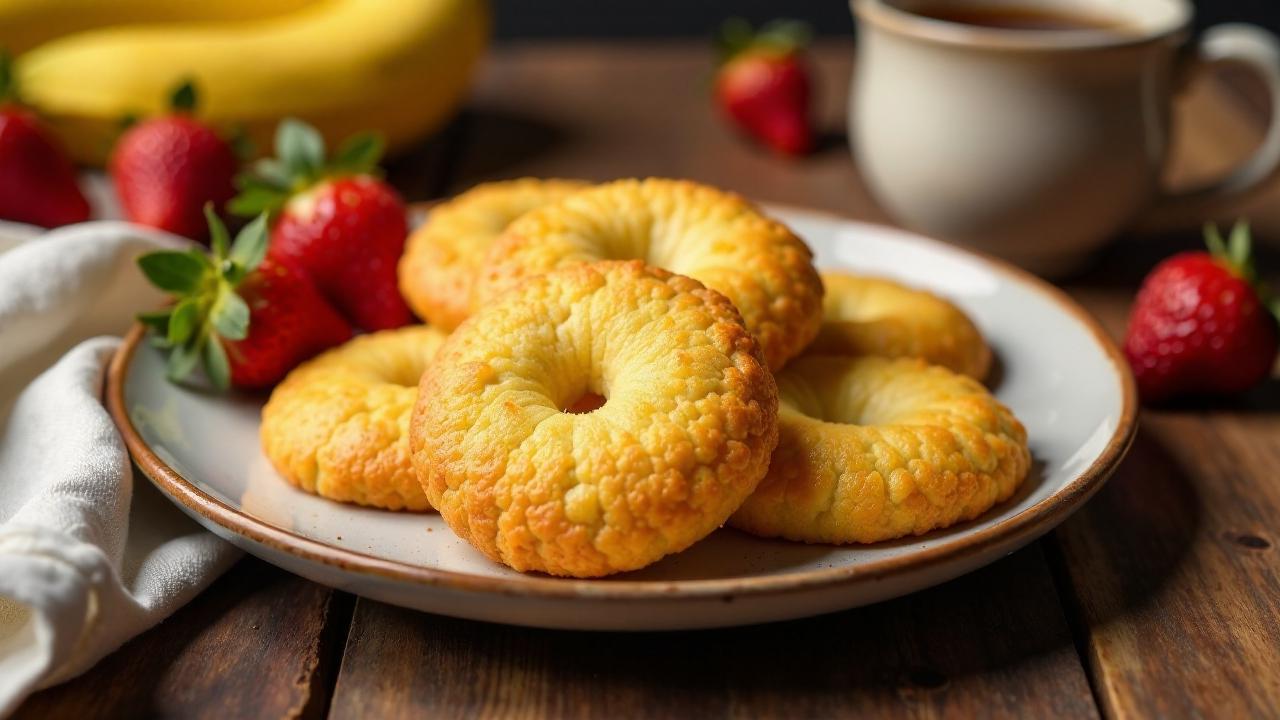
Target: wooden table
(1160, 598)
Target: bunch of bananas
(396, 66)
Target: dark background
(593, 18)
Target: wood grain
(259, 643)
(605, 111)
(992, 644)
(1175, 573)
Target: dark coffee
(1017, 18)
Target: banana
(396, 66)
(25, 24)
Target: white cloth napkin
(88, 557)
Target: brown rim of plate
(1041, 516)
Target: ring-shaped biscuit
(338, 424)
(715, 237)
(684, 434)
(872, 449)
(441, 257)
(864, 315)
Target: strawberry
(166, 168)
(1200, 324)
(763, 83)
(249, 320)
(37, 181)
(337, 221)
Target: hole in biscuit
(586, 403)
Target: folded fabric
(89, 557)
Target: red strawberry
(1200, 324)
(249, 320)
(338, 223)
(166, 168)
(763, 84)
(37, 181)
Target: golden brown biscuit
(864, 315)
(872, 449)
(441, 258)
(684, 434)
(338, 425)
(715, 237)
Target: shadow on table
(1119, 551)
(1127, 259)
(497, 139)
(994, 641)
(1264, 398)
(831, 140)
(478, 144)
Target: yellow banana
(25, 24)
(396, 66)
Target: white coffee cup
(1039, 145)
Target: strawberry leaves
(1235, 252)
(216, 365)
(208, 310)
(781, 36)
(8, 80)
(358, 154)
(184, 99)
(174, 271)
(230, 314)
(248, 250)
(300, 147)
(300, 163)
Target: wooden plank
(1175, 572)
(981, 646)
(991, 644)
(604, 111)
(259, 643)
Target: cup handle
(1258, 50)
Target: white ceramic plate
(1058, 372)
